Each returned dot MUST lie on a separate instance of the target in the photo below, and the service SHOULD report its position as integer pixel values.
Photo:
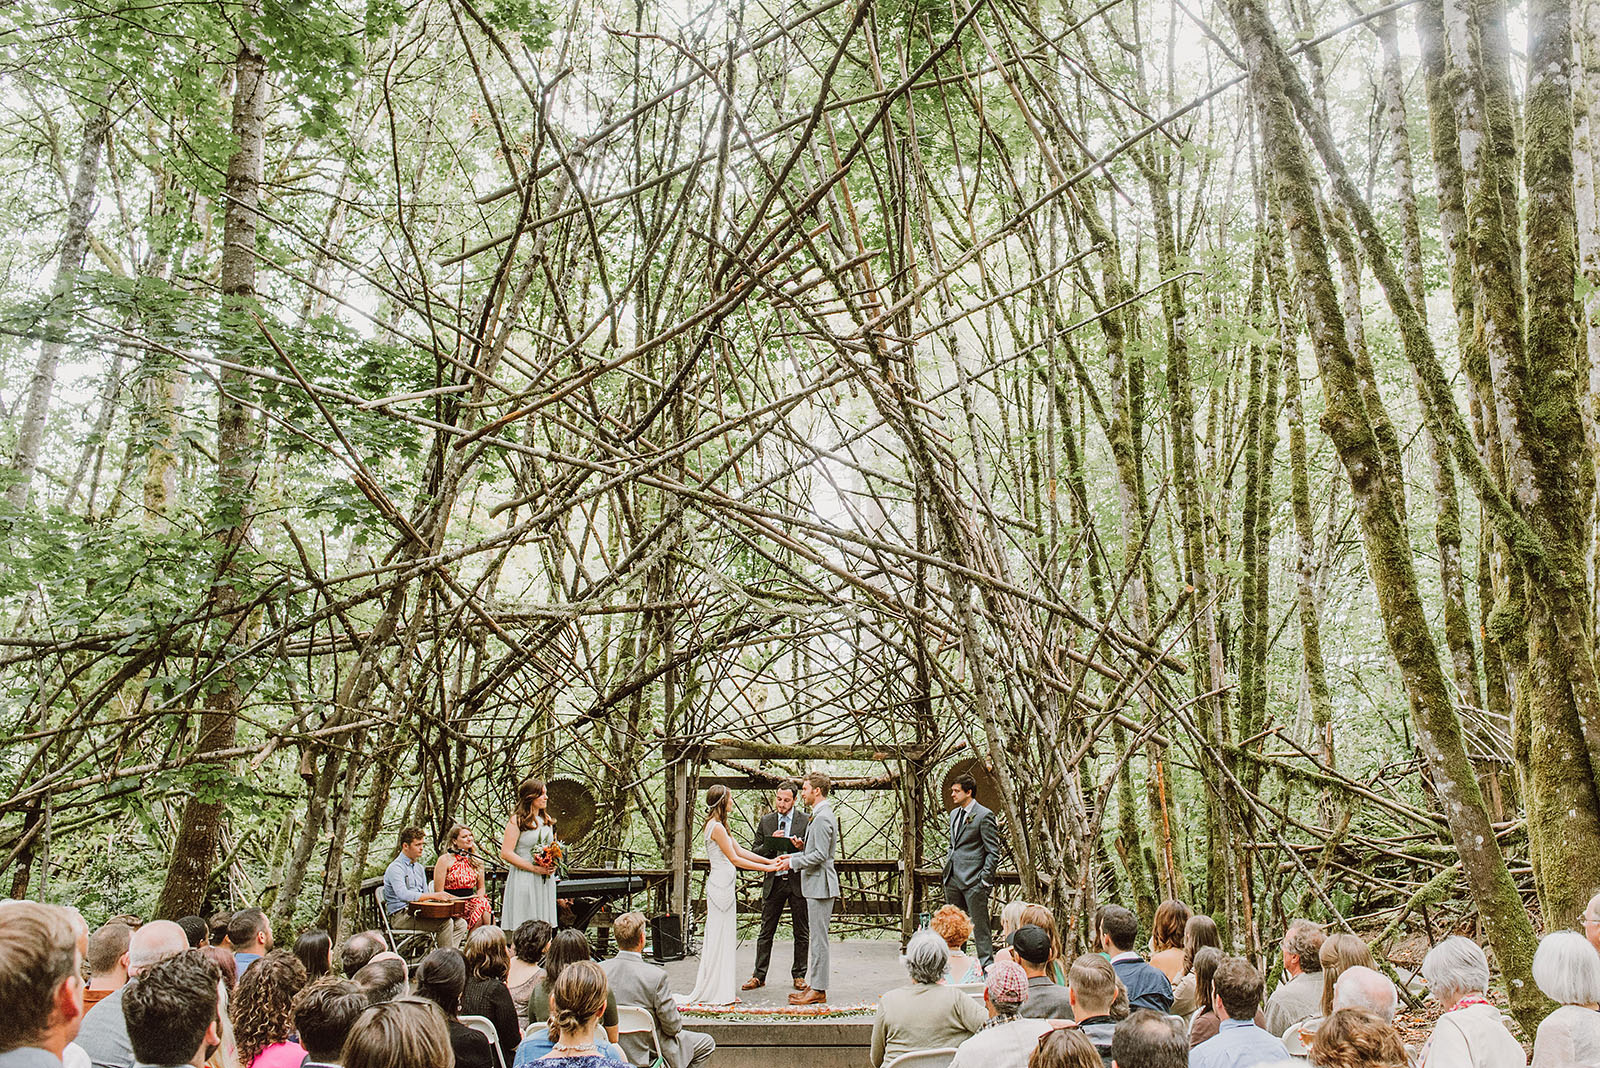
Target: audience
(441, 978)
(1471, 1032)
(1360, 987)
(1031, 949)
(1064, 1047)
(1567, 969)
(408, 1033)
(1355, 1038)
(41, 983)
(219, 928)
(107, 958)
(577, 1003)
(323, 1014)
(954, 926)
(315, 950)
(197, 929)
(1236, 995)
(1148, 1039)
(104, 1035)
(173, 1011)
(1006, 1040)
(383, 979)
(1091, 988)
(358, 951)
(262, 1005)
(924, 1014)
(1147, 987)
(634, 982)
(1042, 918)
(1200, 932)
(486, 994)
(527, 962)
(1010, 920)
(250, 935)
(1166, 938)
(1301, 997)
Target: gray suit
(636, 983)
(975, 849)
(819, 882)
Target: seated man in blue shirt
(1147, 987)
(407, 880)
(1239, 1043)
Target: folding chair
(923, 1058)
(485, 1027)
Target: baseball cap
(1031, 943)
(1007, 983)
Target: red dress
(463, 875)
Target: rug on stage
(774, 1013)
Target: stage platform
(862, 969)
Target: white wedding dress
(715, 983)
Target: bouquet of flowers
(549, 856)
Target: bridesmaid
(460, 872)
(530, 888)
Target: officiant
(780, 832)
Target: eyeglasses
(1587, 919)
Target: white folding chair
(633, 1020)
(485, 1027)
(974, 989)
(923, 1058)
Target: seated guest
(358, 951)
(383, 979)
(1300, 998)
(955, 927)
(1567, 969)
(1355, 1038)
(1091, 988)
(1005, 1040)
(1149, 1039)
(1065, 1047)
(1339, 952)
(1030, 948)
(634, 982)
(1147, 987)
(323, 1014)
(1206, 1022)
(261, 1011)
(41, 983)
(1166, 938)
(405, 882)
(577, 1003)
(1042, 918)
(1010, 920)
(1200, 932)
(527, 962)
(223, 959)
(459, 873)
(197, 929)
(1471, 1033)
(219, 928)
(315, 951)
(1236, 996)
(1366, 988)
(925, 1014)
(173, 1011)
(542, 1036)
(107, 958)
(441, 977)
(408, 1033)
(104, 1035)
(486, 994)
(250, 934)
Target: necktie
(956, 824)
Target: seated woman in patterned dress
(459, 871)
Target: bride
(716, 982)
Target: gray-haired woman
(923, 1014)
(1567, 969)
(1471, 1032)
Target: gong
(573, 806)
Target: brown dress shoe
(753, 983)
(808, 996)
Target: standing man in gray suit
(974, 855)
(818, 882)
(634, 982)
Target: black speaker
(666, 937)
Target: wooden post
(679, 848)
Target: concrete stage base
(801, 1043)
(861, 969)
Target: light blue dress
(529, 896)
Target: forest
(1184, 409)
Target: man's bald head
(1360, 987)
(155, 942)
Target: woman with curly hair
(262, 1011)
(527, 962)
(1356, 1038)
(954, 926)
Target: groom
(819, 883)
